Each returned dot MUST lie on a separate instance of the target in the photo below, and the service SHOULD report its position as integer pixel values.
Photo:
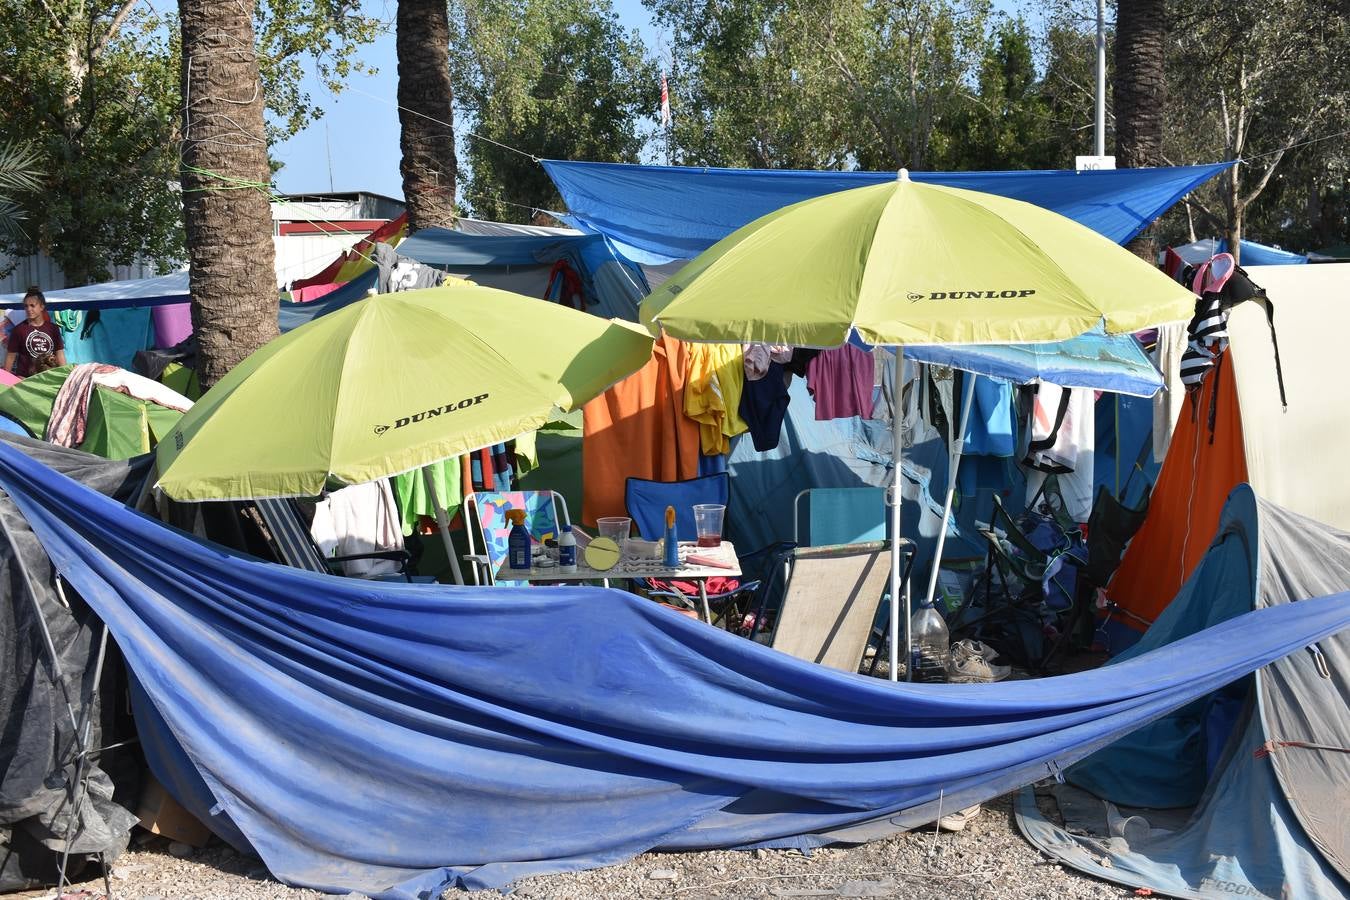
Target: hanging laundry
(991, 429)
(1061, 434)
(415, 503)
(638, 429)
(801, 359)
(759, 356)
(841, 379)
(362, 518)
(1167, 353)
(712, 394)
(399, 273)
(764, 404)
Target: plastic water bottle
(931, 649)
(518, 541)
(567, 550)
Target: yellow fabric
(712, 394)
(909, 263)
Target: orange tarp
(1183, 514)
(638, 429)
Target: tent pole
(953, 461)
(897, 453)
(442, 523)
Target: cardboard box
(161, 814)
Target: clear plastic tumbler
(708, 523)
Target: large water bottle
(929, 653)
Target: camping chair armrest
(396, 555)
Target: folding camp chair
(488, 531)
(1110, 528)
(1019, 577)
(646, 502)
(294, 546)
(839, 516)
(830, 599)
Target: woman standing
(35, 344)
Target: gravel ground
(988, 859)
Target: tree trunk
(226, 186)
(1140, 90)
(425, 116)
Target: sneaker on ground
(957, 821)
(982, 650)
(967, 667)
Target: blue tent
(397, 738)
(655, 214)
(1253, 254)
(1262, 762)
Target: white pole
(954, 459)
(1099, 126)
(897, 453)
(442, 523)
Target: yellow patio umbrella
(908, 263)
(389, 384)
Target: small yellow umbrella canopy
(388, 384)
(910, 263)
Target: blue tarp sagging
(655, 214)
(393, 739)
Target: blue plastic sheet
(655, 214)
(1094, 360)
(393, 739)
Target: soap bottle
(567, 550)
(672, 543)
(518, 541)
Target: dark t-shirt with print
(29, 344)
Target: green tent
(118, 426)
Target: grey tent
(54, 657)
(1264, 765)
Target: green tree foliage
(19, 175)
(553, 78)
(1257, 83)
(93, 88)
(1009, 121)
(874, 84)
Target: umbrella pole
(958, 444)
(442, 523)
(897, 453)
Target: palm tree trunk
(1140, 90)
(424, 114)
(226, 186)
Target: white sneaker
(968, 667)
(957, 821)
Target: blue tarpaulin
(655, 214)
(393, 739)
(1094, 360)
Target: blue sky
(359, 129)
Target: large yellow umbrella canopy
(909, 263)
(388, 384)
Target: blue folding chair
(854, 515)
(646, 502)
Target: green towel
(411, 492)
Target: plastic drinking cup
(708, 523)
(615, 528)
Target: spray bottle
(672, 543)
